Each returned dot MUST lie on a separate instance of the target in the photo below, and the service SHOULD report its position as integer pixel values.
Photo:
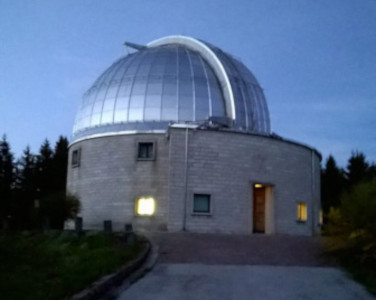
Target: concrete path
(196, 266)
(278, 250)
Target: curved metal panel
(174, 79)
(158, 84)
(252, 112)
(211, 58)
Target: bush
(59, 207)
(359, 207)
(352, 231)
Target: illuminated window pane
(302, 212)
(145, 206)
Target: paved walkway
(278, 250)
(198, 266)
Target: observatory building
(176, 136)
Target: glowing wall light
(302, 212)
(258, 185)
(145, 206)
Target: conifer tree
(60, 161)
(45, 169)
(332, 185)
(358, 170)
(7, 178)
(26, 193)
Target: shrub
(58, 208)
(352, 227)
(359, 207)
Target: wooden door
(259, 210)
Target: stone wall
(109, 179)
(223, 164)
(226, 165)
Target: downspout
(312, 193)
(185, 180)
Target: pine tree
(60, 161)
(55, 206)
(45, 169)
(357, 171)
(26, 190)
(332, 185)
(7, 178)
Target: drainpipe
(313, 204)
(185, 180)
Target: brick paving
(275, 250)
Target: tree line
(33, 188)
(349, 206)
(336, 181)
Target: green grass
(54, 266)
(352, 258)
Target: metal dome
(174, 79)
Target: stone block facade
(223, 164)
(109, 179)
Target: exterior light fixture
(145, 206)
(258, 185)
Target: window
(76, 157)
(201, 203)
(302, 212)
(146, 151)
(145, 206)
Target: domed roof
(172, 80)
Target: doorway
(258, 208)
(263, 208)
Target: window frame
(201, 213)
(76, 158)
(153, 151)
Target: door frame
(269, 207)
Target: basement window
(302, 212)
(201, 203)
(76, 158)
(146, 151)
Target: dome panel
(250, 104)
(172, 81)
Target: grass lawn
(56, 265)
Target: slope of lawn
(56, 265)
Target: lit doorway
(263, 216)
(258, 208)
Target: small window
(201, 203)
(145, 206)
(76, 157)
(146, 151)
(302, 212)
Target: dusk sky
(315, 59)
